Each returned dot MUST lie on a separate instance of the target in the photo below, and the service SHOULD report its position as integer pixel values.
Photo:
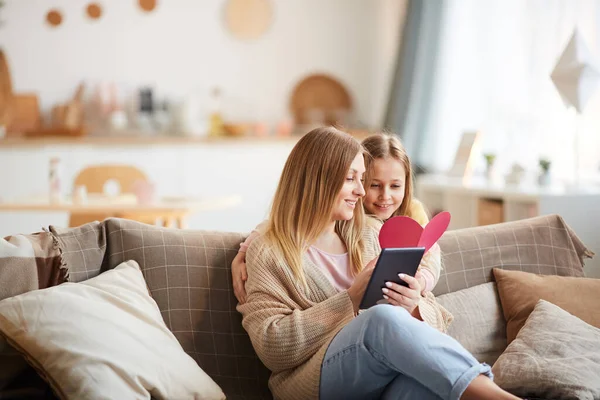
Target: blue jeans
(386, 353)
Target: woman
(306, 280)
(389, 193)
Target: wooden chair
(95, 177)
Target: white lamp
(576, 76)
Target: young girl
(306, 279)
(389, 185)
(388, 194)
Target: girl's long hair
(312, 177)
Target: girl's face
(386, 193)
(345, 203)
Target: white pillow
(103, 339)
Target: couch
(188, 274)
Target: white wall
(183, 47)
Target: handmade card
(404, 231)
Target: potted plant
(544, 177)
(490, 158)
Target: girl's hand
(406, 297)
(239, 276)
(357, 290)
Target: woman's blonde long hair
(381, 146)
(312, 177)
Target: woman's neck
(330, 242)
(329, 229)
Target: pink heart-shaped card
(404, 231)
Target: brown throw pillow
(555, 356)
(520, 292)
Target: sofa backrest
(541, 245)
(189, 275)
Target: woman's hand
(239, 276)
(357, 290)
(406, 297)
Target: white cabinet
(475, 201)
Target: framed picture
(464, 158)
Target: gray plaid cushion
(542, 245)
(189, 275)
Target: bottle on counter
(55, 181)
(216, 127)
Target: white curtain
(493, 75)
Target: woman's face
(386, 193)
(345, 203)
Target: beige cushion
(556, 356)
(103, 338)
(520, 291)
(478, 321)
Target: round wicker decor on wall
(94, 10)
(147, 5)
(320, 93)
(54, 18)
(248, 19)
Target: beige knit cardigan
(291, 328)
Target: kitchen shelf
(141, 140)
(145, 140)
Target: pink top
(335, 266)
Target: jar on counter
(55, 181)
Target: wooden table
(169, 210)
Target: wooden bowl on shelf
(320, 99)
